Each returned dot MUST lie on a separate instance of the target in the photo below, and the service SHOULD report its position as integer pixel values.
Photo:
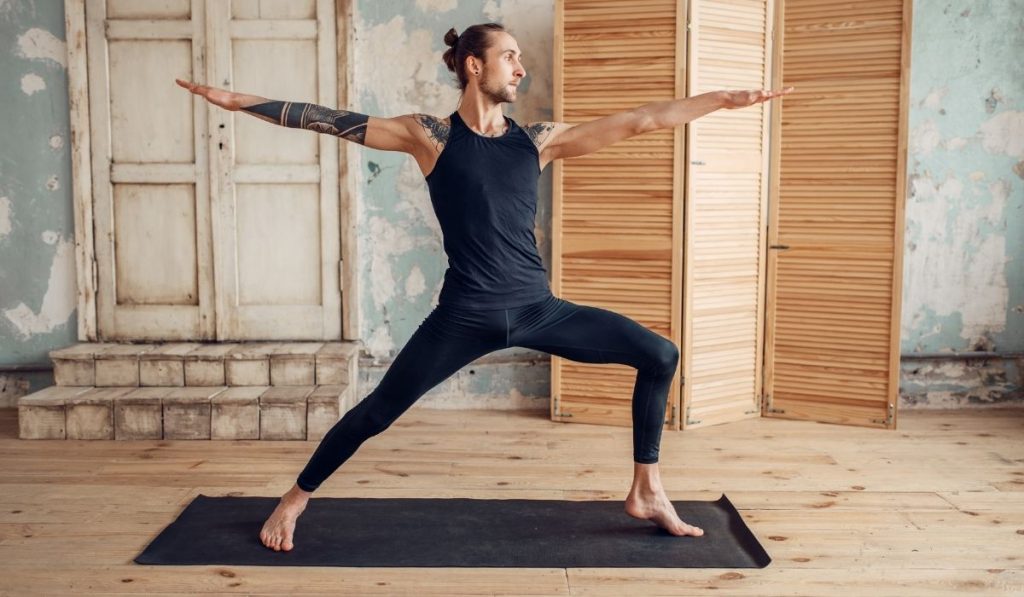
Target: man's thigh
(442, 344)
(587, 334)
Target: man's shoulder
(436, 128)
(540, 132)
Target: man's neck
(482, 116)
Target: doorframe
(81, 175)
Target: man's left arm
(559, 140)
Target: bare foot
(279, 529)
(654, 505)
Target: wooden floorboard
(935, 507)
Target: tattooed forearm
(350, 126)
(437, 129)
(539, 131)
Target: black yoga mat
(456, 532)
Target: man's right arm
(389, 134)
(401, 133)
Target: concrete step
(191, 390)
(179, 364)
(298, 412)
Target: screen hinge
(558, 408)
(766, 405)
(690, 421)
(888, 416)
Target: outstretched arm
(559, 140)
(298, 115)
(394, 134)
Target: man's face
(503, 71)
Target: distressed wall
(963, 273)
(37, 257)
(963, 288)
(398, 70)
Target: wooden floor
(933, 508)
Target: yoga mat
(456, 532)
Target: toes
(287, 545)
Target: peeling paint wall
(963, 284)
(398, 70)
(37, 257)
(964, 242)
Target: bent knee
(665, 357)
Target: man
(481, 169)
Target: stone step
(298, 412)
(186, 364)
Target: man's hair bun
(451, 39)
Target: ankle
(296, 495)
(646, 486)
(646, 478)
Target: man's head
(487, 60)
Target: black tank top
(484, 193)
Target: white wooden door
(275, 189)
(234, 238)
(150, 190)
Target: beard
(497, 92)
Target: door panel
(150, 191)
(276, 216)
(617, 214)
(726, 214)
(833, 334)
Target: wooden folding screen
(776, 272)
(837, 218)
(617, 224)
(726, 213)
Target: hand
(742, 99)
(228, 100)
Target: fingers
(196, 89)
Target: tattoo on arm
(437, 129)
(539, 131)
(350, 126)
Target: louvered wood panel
(617, 213)
(833, 321)
(726, 214)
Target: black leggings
(451, 338)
